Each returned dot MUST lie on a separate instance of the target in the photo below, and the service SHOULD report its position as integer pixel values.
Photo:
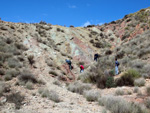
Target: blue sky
(68, 12)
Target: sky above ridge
(69, 12)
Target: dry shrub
(119, 91)
(81, 63)
(7, 77)
(31, 59)
(49, 63)
(91, 95)
(56, 82)
(139, 82)
(53, 73)
(147, 103)
(12, 72)
(29, 85)
(14, 63)
(79, 87)
(2, 85)
(15, 98)
(148, 90)
(119, 105)
(52, 95)
(136, 89)
(98, 74)
(27, 76)
(2, 71)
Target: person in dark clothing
(96, 57)
(116, 67)
(69, 63)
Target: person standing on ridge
(81, 68)
(116, 67)
(69, 63)
(96, 57)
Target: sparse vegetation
(139, 82)
(15, 98)
(56, 82)
(119, 105)
(52, 95)
(78, 87)
(136, 89)
(31, 59)
(119, 92)
(128, 78)
(53, 73)
(148, 90)
(2, 85)
(29, 85)
(147, 103)
(91, 95)
(27, 76)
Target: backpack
(118, 64)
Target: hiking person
(116, 67)
(81, 68)
(69, 63)
(96, 57)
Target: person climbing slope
(69, 63)
(81, 68)
(116, 67)
(96, 57)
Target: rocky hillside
(32, 65)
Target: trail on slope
(71, 102)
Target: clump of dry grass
(136, 89)
(147, 103)
(52, 95)
(57, 82)
(119, 105)
(148, 90)
(79, 87)
(27, 76)
(139, 82)
(2, 85)
(29, 85)
(91, 95)
(119, 91)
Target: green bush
(110, 82)
(128, 78)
